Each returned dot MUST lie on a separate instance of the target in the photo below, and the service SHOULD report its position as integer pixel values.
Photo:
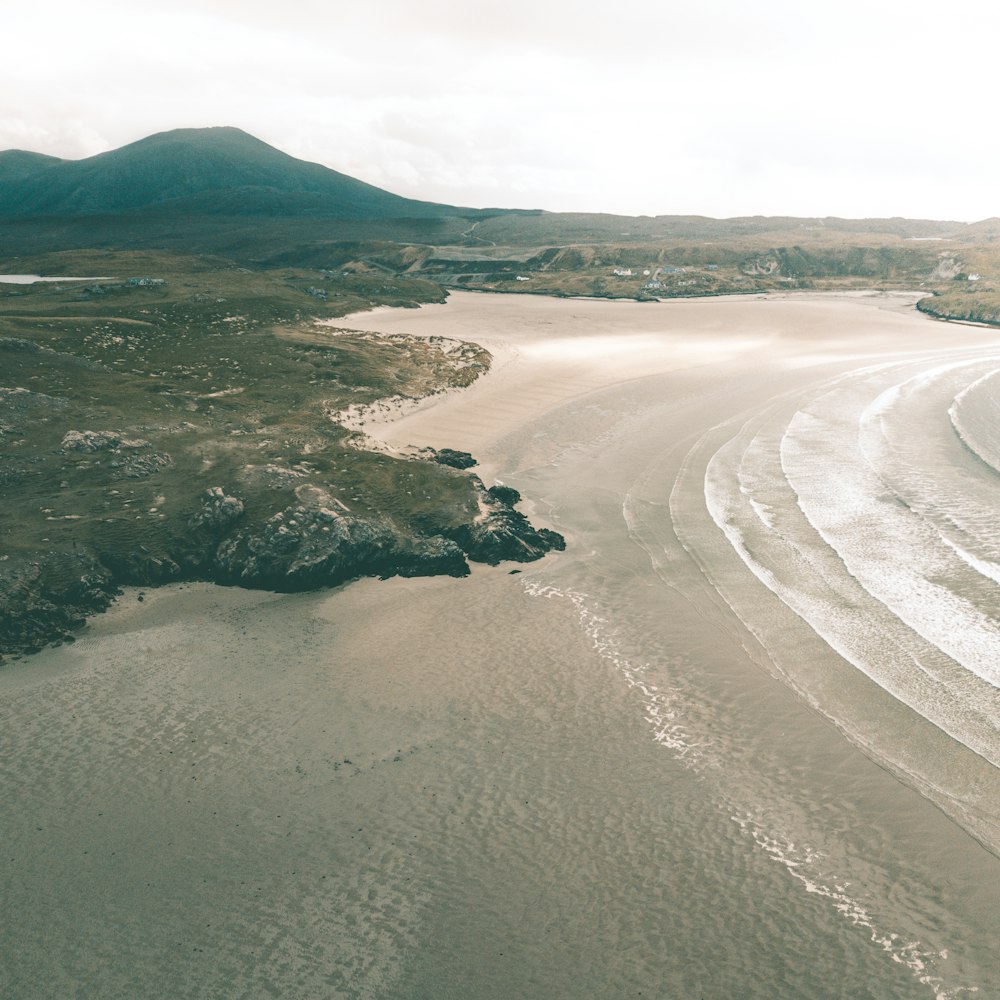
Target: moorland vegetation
(181, 413)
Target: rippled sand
(587, 779)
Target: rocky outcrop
(947, 267)
(20, 408)
(47, 598)
(131, 458)
(314, 542)
(451, 457)
(504, 494)
(217, 512)
(90, 441)
(500, 533)
(763, 264)
(303, 547)
(433, 556)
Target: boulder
(452, 458)
(217, 512)
(303, 546)
(45, 597)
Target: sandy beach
(548, 351)
(633, 768)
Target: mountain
(17, 164)
(209, 171)
(220, 190)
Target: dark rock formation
(304, 547)
(434, 556)
(217, 512)
(455, 459)
(311, 543)
(44, 599)
(314, 544)
(501, 533)
(505, 495)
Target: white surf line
(844, 629)
(961, 505)
(909, 682)
(965, 435)
(823, 455)
(838, 609)
(796, 860)
(720, 574)
(908, 590)
(910, 953)
(983, 567)
(663, 713)
(662, 709)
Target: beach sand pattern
(672, 761)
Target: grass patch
(121, 405)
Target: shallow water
(632, 769)
(30, 279)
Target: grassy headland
(191, 426)
(186, 429)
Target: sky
(858, 108)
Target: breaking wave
(869, 506)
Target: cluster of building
(654, 283)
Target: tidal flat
(668, 761)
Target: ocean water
(738, 741)
(862, 509)
(779, 538)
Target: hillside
(213, 171)
(18, 164)
(222, 191)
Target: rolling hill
(210, 171)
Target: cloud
(714, 108)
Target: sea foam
(893, 583)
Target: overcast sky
(712, 107)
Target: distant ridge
(207, 171)
(223, 191)
(987, 229)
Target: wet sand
(581, 780)
(548, 351)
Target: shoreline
(424, 779)
(312, 540)
(537, 373)
(532, 372)
(541, 372)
